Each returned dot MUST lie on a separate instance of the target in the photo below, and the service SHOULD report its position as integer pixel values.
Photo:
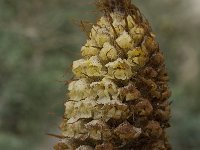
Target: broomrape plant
(119, 96)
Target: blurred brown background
(38, 42)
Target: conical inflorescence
(119, 96)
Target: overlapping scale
(119, 96)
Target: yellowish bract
(108, 52)
(106, 90)
(79, 89)
(78, 67)
(131, 22)
(125, 41)
(89, 49)
(93, 67)
(137, 56)
(103, 22)
(89, 67)
(119, 69)
(137, 34)
(100, 35)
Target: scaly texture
(119, 96)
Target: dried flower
(126, 131)
(90, 49)
(79, 89)
(108, 52)
(119, 69)
(125, 41)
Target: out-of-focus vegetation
(38, 42)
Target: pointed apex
(123, 6)
(114, 5)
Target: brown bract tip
(113, 5)
(123, 6)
